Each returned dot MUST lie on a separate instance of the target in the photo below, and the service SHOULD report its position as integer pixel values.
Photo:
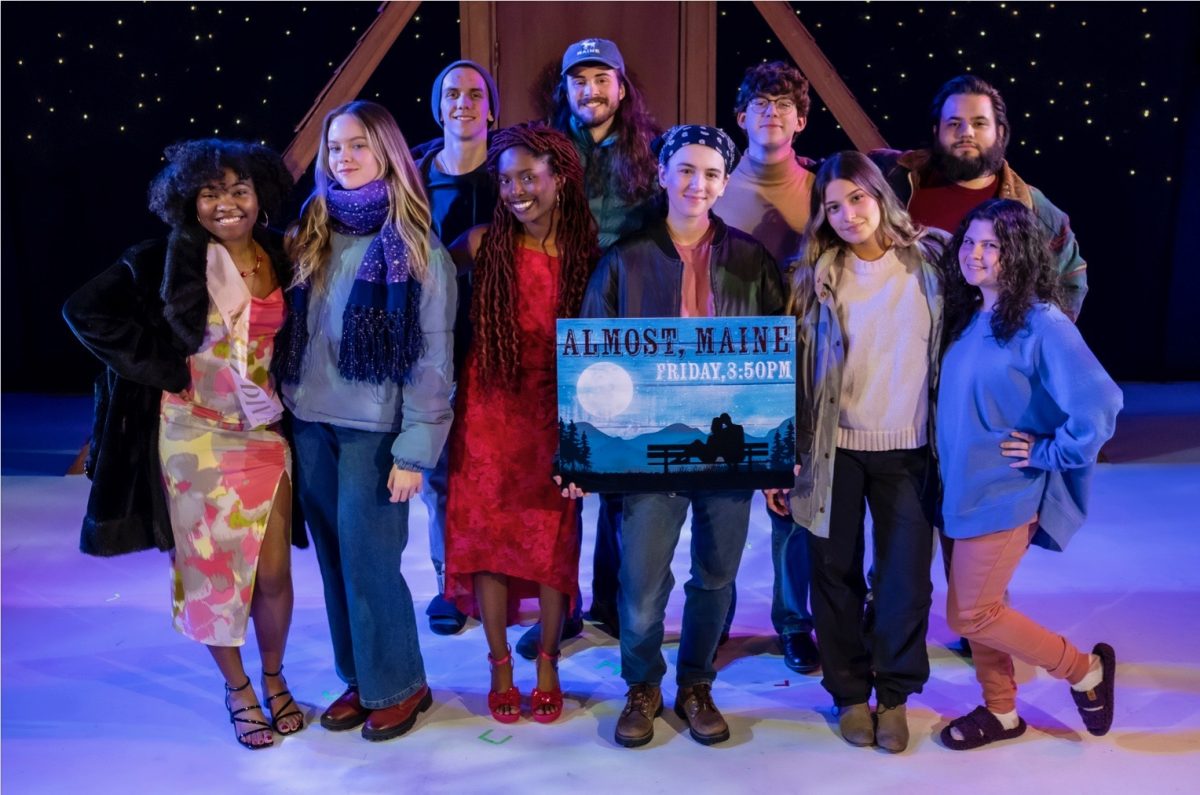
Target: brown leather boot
(643, 703)
(345, 712)
(389, 722)
(705, 722)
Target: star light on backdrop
(1097, 96)
(162, 70)
(117, 62)
(1048, 54)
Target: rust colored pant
(980, 572)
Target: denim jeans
(789, 593)
(606, 558)
(789, 596)
(359, 537)
(649, 533)
(433, 494)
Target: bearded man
(966, 167)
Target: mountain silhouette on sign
(614, 454)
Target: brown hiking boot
(695, 705)
(643, 703)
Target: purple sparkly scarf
(381, 329)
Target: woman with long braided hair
(510, 532)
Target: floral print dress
(221, 471)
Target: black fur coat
(142, 318)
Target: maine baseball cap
(593, 51)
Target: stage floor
(100, 695)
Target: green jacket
(615, 217)
(906, 170)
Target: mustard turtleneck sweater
(770, 202)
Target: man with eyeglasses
(768, 197)
(768, 193)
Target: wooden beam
(348, 80)
(477, 33)
(820, 73)
(697, 63)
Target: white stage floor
(100, 695)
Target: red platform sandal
(509, 698)
(540, 699)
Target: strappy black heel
(287, 710)
(235, 720)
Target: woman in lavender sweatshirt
(1023, 408)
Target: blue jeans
(649, 533)
(789, 596)
(789, 593)
(606, 559)
(433, 494)
(359, 537)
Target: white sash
(232, 300)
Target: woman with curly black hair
(186, 328)
(509, 532)
(1023, 408)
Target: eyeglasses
(782, 104)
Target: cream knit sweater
(886, 325)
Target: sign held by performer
(677, 404)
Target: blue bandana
(682, 135)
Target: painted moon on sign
(604, 390)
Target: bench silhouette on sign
(667, 454)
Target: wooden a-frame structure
(485, 25)
(684, 64)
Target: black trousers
(898, 486)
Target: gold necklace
(258, 261)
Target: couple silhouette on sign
(725, 441)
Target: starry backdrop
(1104, 102)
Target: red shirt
(696, 291)
(944, 204)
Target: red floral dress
(504, 514)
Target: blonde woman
(367, 374)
